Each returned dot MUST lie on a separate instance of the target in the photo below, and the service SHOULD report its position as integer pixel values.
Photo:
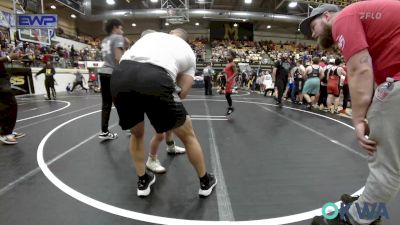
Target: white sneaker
(8, 139)
(155, 166)
(18, 135)
(173, 149)
(108, 135)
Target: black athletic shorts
(143, 88)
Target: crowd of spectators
(265, 52)
(199, 47)
(246, 51)
(38, 55)
(252, 52)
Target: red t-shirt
(46, 58)
(92, 77)
(372, 25)
(229, 74)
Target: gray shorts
(312, 86)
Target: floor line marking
(36, 108)
(225, 211)
(221, 95)
(61, 115)
(316, 132)
(166, 220)
(30, 109)
(33, 172)
(43, 114)
(205, 116)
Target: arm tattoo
(364, 60)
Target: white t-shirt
(208, 71)
(164, 50)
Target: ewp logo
(37, 21)
(367, 211)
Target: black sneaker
(346, 199)
(144, 185)
(320, 220)
(279, 104)
(230, 111)
(206, 188)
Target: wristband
(8, 58)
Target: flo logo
(365, 211)
(370, 15)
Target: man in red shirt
(368, 34)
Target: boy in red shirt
(231, 73)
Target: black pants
(49, 84)
(346, 95)
(8, 113)
(323, 95)
(78, 83)
(281, 85)
(207, 85)
(228, 99)
(106, 101)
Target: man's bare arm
(361, 81)
(184, 81)
(118, 52)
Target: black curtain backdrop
(220, 30)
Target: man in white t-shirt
(153, 76)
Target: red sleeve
(348, 32)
